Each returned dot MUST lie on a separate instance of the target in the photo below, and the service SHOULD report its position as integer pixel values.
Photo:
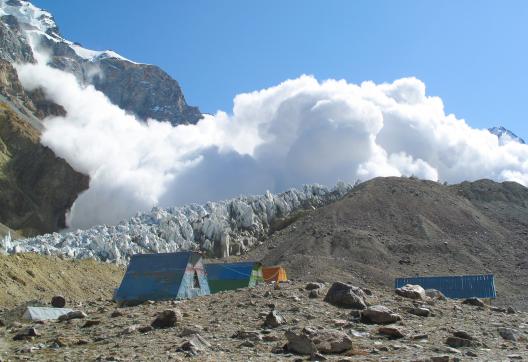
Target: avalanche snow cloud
(300, 131)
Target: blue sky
(473, 54)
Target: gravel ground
(217, 318)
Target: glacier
(218, 229)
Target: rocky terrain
(291, 323)
(394, 227)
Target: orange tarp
(274, 274)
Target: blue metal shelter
(163, 276)
(456, 286)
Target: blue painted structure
(457, 286)
(231, 276)
(163, 276)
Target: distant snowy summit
(142, 89)
(505, 135)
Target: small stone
(391, 332)
(195, 345)
(274, 319)
(300, 343)
(91, 322)
(166, 319)
(317, 357)
(116, 313)
(379, 314)
(418, 337)
(270, 338)
(187, 331)
(471, 354)
(474, 302)
(440, 359)
(510, 310)
(462, 334)
(58, 301)
(498, 309)
(250, 335)
(76, 314)
(26, 334)
(515, 356)
(130, 329)
(457, 342)
(247, 344)
(314, 286)
(435, 294)
(421, 312)
(145, 329)
(509, 334)
(313, 294)
(412, 291)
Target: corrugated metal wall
(457, 286)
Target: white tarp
(45, 313)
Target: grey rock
(509, 334)
(474, 302)
(463, 334)
(313, 286)
(346, 295)
(250, 335)
(435, 294)
(76, 314)
(313, 294)
(274, 319)
(510, 310)
(391, 332)
(420, 311)
(331, 341)
(195, 345)
(190, 330)
(58, 301)
(300, 343)
(166, 319)
(379, 314)
(412, 291)
(457, 342)
(26, 334)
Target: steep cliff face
(142, 89)
(36, 187)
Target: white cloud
(301, 131)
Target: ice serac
(142, 89)
(218, 228)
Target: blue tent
(163, 276)
(455, 286)
(231, 276)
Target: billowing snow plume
(300, 131)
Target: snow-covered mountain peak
(30, 16)
(35, 20)
(505, 135)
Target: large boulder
(300, 343)
(412, 291)
(379, 314)
(346, 295)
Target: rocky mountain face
(142, 89)
(37, 188)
